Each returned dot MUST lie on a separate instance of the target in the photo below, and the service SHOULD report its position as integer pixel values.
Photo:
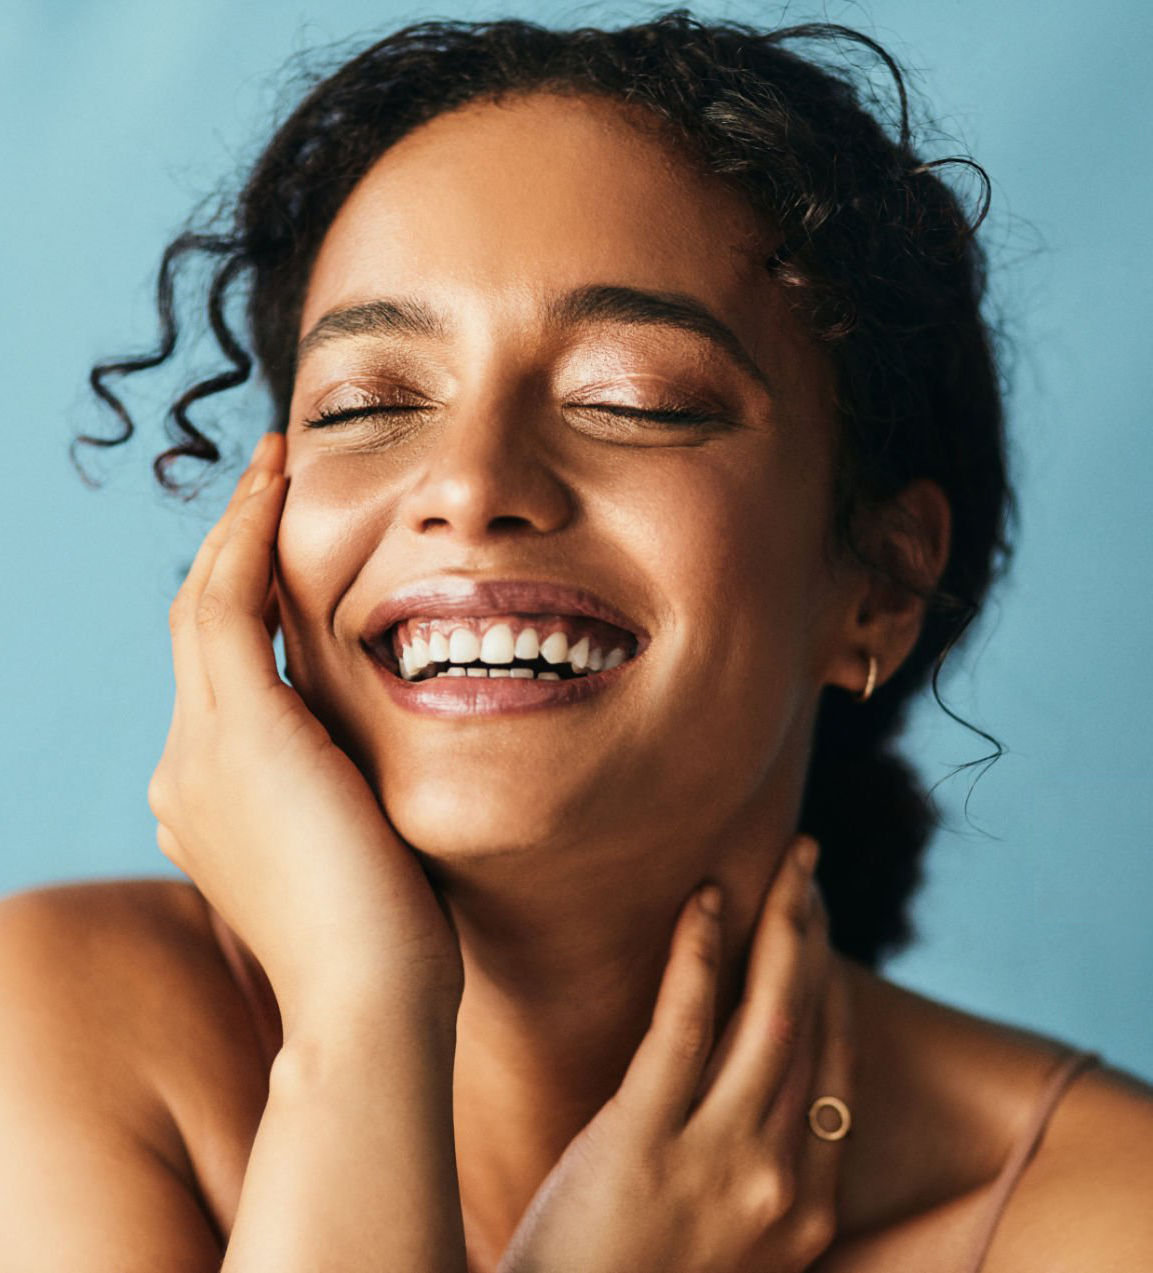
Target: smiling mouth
(545, 647)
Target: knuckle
(211, 612)
(797, 913)
(769, 1195)
(815, 1231)
(795, 910)
(178, 611)
(785, 1028)
(783, 1189)
(704, 952)
(159, 795)
(690, 1036)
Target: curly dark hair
(877, 256)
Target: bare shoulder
(1086, 1200)
(121, 1065)
(123, 961)
(956, 1095)
(101, 956)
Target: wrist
(342, 1021)
(392, 1044)
(367, 994)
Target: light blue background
(117, 117)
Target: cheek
(738, 551)
(333, 517)
(737, 545)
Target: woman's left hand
(703, 1161)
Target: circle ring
(844, 1118)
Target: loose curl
(877, 257)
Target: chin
(449, 820)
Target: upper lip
(448, 597)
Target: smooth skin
(512, 1038)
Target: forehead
(496, 206)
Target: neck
(563, 959)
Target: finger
(774, 1114)
(820, 1162)
(786, 1116)
(206, 555)
(192, 683)
(234, 642)
(770, 1020)
(666, 1070)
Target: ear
(906, 541)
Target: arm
(355, 1153)
(352, 1167)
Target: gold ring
(844, 1118)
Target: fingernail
(807, 851)
(261, 480)
(711, 900)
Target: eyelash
(667, 415)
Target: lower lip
(457, 696)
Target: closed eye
(327, 419)
(670, 415)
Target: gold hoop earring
(870, 681)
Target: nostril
(508, 521)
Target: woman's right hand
(270, 819)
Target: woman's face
(709, 536)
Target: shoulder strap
(259, 1010)
(1025, 1147)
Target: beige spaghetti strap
(258, 1009)
(1022, 1152)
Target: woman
(638, 456)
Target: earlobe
(906, 548)
(870, 681)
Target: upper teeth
(498, 646)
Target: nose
(488, 473)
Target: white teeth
(497, 645)
(579, 655)
(527, 644)
(519, 673)
(555, 648)
(438, 647)
(418, 660)
(463, 646)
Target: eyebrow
(592, 303)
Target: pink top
(1022, 1152)
(262, 1005)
